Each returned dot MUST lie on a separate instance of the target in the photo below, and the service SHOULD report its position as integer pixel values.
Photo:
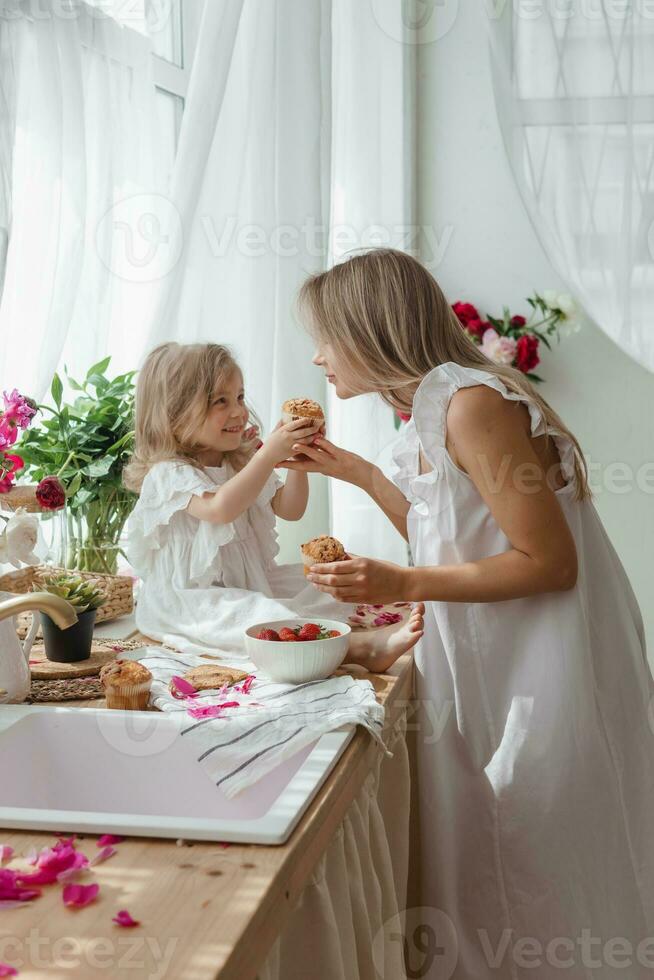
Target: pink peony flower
(123, 918)
(499, 349)
(50, 493)
(9, 466)
(18, 410)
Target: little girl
(202, 535)
(535, 753)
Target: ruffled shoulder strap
(167, 490)
(433, 397)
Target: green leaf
(99, 368)
(56, 390)
(74, 485)
(535, 377)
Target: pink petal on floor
(6, 853)
(77, 896)
(70, 874)
(103, 855)
(123, 918)
(108, 839)
(8, 971)
(248, 682)
(180, 688)
(11, 889)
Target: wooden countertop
(207, 911)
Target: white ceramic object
(15, 681)
(295, 663)
(131, 772)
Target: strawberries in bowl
(299, 650)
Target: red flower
(476, 328)
(518, 321)
(9, 465)
(50, 493)
(526, 356)
(465, 312)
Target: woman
(536, 789)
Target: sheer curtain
(574, 88)
(77, 167)
(295, 119)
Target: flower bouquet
(515, 340)
(83, 445)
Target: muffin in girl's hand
(302, 408)
(126, 685)
(321, 551)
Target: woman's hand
(287, 435)
(362, 580)
(326, 458)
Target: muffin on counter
(321, 551)
(126, 685)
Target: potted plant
(71, 645)
(85, 443)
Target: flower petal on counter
(180, 688)
(108, 839)
(77, 896)
(123, 918)
(8, 971)
(12, 891)
(103, 855)
(6, 853)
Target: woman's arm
(290, 501)
(326, 458)
(487, 438)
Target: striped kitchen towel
(268, 721)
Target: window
(174, 27)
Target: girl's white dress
(205, 584)
(535, 746)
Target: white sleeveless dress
(535, 751)
(203, 584)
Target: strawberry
(310, 631)
(331, 633)
(268, 635)
(287, 635)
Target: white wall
(467, 198)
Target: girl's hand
(286, 435)
(361, 580)
(326, 458)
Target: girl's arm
(487, 438)
(328, 459)
(290, 501)
(241, 491)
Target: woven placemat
(65, 689)
(102, 651)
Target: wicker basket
(117, 589)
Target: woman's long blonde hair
(174, 391)
(385, 316)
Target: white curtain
(77, 179)
(371, 204)
(295, 117)
(574, 86)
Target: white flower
(18, 540)
(566, 304)
(497, 348)
(550, 296)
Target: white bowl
(306, 660)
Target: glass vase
(94, 531)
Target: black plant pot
(71, 645)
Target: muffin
(321, 551)
(126, 685)
(302, 408)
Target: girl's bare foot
(377, 650)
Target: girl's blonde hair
(385, 316)
(174, 391)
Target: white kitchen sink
(130, 772)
